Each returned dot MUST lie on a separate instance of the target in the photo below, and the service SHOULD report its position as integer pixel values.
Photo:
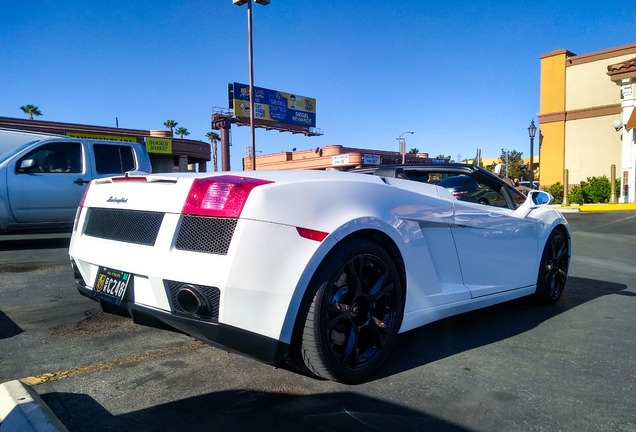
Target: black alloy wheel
(553, 268)
(355, 315)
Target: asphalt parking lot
(511, 367)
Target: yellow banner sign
(102, 137)
(159, 145)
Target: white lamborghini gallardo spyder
(318, 270)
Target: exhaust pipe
(192, 300)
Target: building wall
(321, 158)
(588, 85)
(591, 147)
(579, 102)
(552, 152)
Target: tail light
(460, 193)
(127, 178)
(81, 204)
(222, 196)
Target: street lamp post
(402, 142)
(251, 66)
(532, 130)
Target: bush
(577, 195)
(593, 190)
(556, 190)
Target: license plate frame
(111, 285)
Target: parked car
(315, 270)
(43, 176)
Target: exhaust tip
(192, 301)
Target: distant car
(526, 184)
(43, 176)
(316, 270)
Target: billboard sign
(274, 106)
(101, 137)
(159, 145)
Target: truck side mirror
(28, 165)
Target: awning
(631, 123)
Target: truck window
(113, 159)
(55, 158)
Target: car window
(55, 158)
(113, 159)
(517, 196)
(464, 187)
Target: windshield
(8, 151)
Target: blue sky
(462, 75)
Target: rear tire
(553, 268)
(355, 313)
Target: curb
(22, 409)
(593, 207)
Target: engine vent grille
(212, 294)
(205, 234)
(129, 226)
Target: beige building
(331, 157)
(587, 116)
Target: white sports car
(317, 270)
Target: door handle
(81, 181)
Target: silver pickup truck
(43, 176)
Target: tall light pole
(249, 37)
(402, 142)
(532, 130)
(507, 158)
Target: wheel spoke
(351, 354)
(378, 331)
(337, 312)
(354, 276)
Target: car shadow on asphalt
(482, 327)
(248, 410)
(33, 242)
(8, 328)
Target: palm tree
(213, 137)
(170, 124)
(182, 131)
(31, 110)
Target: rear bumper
(223, 336)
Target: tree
(514, 163)
(182, 131)
(213, 137)
(414, 151)
(170, 124)
(448, 159)
(31, 110)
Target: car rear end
(174, 252)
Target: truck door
(49, 190)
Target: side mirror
(534, 200)
(540, 198)
(28, 165)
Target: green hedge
(591, 190)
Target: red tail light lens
(222, 196)
(119, 179)
(312, 234)
(81, 204)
